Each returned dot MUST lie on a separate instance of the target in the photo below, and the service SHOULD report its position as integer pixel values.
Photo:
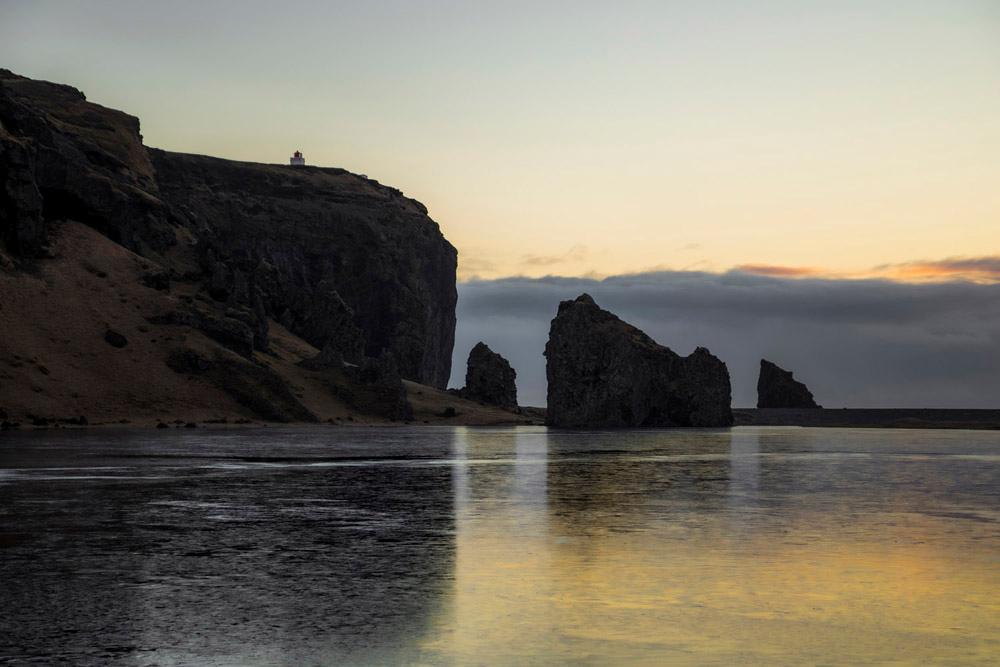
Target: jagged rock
(604, 372)
(777, 388)
(489, 378)
(337, 258)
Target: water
(513, 546)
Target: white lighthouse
(297, 160)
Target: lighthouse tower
(297, 160)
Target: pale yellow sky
(580, 138)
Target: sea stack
(777, 388)
(605, 372)
(490, 378)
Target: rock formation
(776, 388)
(66, 158)
(336, 258)
(490, 379)
(209, 280)
(604, 372)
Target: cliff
(336, 258)
(605, 372)
(205, 255)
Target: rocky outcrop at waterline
(777, 388)
(605, 372)
(490, 379)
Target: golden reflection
(555, 564)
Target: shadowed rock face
(776, 388)
(338, 259)
(605, 372)
(490, 378)
(62, 157)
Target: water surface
(505, 546)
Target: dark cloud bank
(855, 343)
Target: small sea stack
(490, 379)
(777, 388)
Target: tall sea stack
(605, 372)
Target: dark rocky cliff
(777, 388)
(605, 372)
(62, 157)
(336, 258)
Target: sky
(583, 138)
(845, 151)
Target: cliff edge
(225, 260)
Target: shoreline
(907, 418)
(899, 418)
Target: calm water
(512, 546)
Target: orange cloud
(972, 269)
(778, 271)
(985, 270)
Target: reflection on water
(500, 546)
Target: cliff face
(777, 388)
(604, 372)
(62, 157)
(338, 259)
